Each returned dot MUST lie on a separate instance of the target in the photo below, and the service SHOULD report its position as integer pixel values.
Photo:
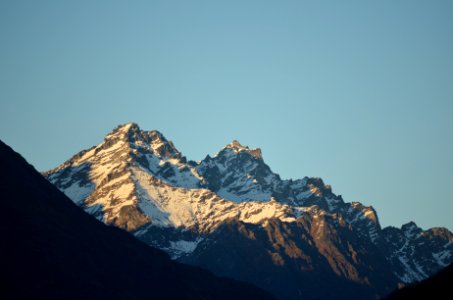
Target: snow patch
(442, 257)
(182, 247)
(78, 193)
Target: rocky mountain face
(51, 249)
(232, 215)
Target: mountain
(51, 249)
(435, 287)
(231, 214)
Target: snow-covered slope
(137, 180)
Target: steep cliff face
(297, 232)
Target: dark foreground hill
(436, 287)
(51, 249)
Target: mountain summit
(232, 214)
(237, 147)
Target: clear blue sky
(359, 93)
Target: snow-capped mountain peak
(148, 141)
(411, 229)
(125, 128)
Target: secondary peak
(238, 147)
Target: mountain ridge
(137, 180)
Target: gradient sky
(359, 93)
